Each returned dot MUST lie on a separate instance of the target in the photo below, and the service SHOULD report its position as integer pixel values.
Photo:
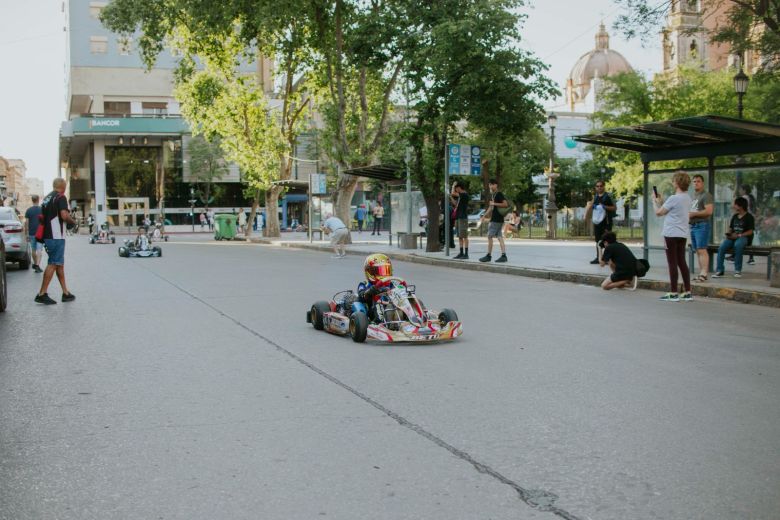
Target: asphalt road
(190, 387)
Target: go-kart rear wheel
(358, 327)
(317, 312)
(113, 240)
(165, 238)
(91, 240)
(447, 315)
(123, 252)
(157, 250)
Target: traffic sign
(464, 159)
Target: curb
(723, 293)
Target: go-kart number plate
(424, 338)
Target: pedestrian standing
(460, 201)
(31, 216)
(699, 219)
(600, 210)
(91, 223)
(360, 216)
(202, 220)
(241, 220)
(676, 211)
(210, 219)
(379, 214)
(55, 215)
(497, 200)
(339, 234)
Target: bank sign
(137, 125)
(464, 159)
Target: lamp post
(552, 208)
(741, 81)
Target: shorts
(339, 237)
(34, 244)
(621, 277)
(601, 228)
(462, 226)
(700, 234)
(56, 251)
(494, 229)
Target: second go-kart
(102, 236)
(140, 247)
(397, 316)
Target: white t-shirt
(423, 211)
(676, 220)
(333, 223)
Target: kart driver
(142, 240)
(378, 269)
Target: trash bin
(224, 226)
(407, 240)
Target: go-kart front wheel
(123, 252)
(316, 314)
(113, 239)
(447, 315)
(157, 250)
(358, 327)
(91, 240)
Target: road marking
(538, 499)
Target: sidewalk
(560, 260)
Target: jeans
(739, 246)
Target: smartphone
(655, 192)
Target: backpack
(642, 266)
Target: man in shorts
(699, 221)
(55, 215)
(460, 201)
(31, 215)
(497, 200)
(339, 234)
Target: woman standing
(675, 232)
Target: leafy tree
(746, 25)
(207, 166)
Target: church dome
(598, 63)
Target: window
(125, 45)
(154, 108)
(98, 44)
(116, 108)
(95, 8)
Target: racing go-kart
(139, 248)
(398, 316)
(102, 236)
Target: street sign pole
(446, 199)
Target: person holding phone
(676, 213)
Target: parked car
(3, 290)
(474, 219)
(17, 249)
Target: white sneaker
(737, 275)
(336, 256)
(634, 283)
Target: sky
(33, 85)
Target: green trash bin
(224, 226)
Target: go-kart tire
(113, 240)
(123, 252)
(165, 238)
(358, 327)
(158, 251)
(91, 240)
(447, 315)
(317, 312)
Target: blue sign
(453, 163)
(464, 159)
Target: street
(191, 387)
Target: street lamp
(741, 81)
(552, 208)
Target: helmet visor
(381, 271)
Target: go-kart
(102, 236)
(157, 234)
(139, 248)
(398, 316)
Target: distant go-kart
(140, 248)
(399, 316)
(102, 237)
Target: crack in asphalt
(538, 499)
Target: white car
(474, 219)
(3, 290)
(17, 249)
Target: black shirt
(740, 225)
(605, 200)
(621, 255)
(51, 207)
(463, 206)
(495, 216)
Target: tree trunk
(342, 198)
(272, 212)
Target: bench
(316, 231)
(749, 251)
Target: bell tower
(683, 38)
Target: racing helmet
(377, 267)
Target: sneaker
(464, 257)
(686, 297)
(37, 269)
(44, 298)
(68, 297)
(594, 261)
(336, 256)
(501, 258)
(752, 261)
(458, 256)
(670, 297)
(719, 274)
(486, 258)
(634, 283)
(737, 275)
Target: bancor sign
(138, 125)
(103, 122)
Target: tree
(207, 165)
(746, 24)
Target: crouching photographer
(621, 261)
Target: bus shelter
(727, 152)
